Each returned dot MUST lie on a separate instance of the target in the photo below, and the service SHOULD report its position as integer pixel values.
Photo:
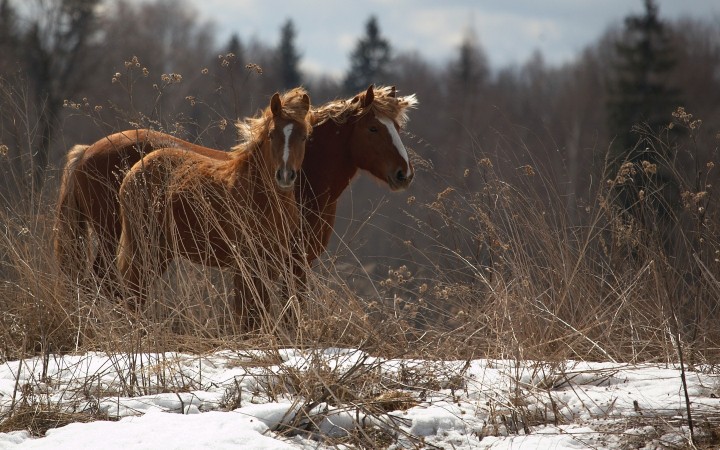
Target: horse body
(88, 195)
(326, 174)
(237, 212)
(211, 216)
(349, 136)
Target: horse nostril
(285, 177)
(400, 176)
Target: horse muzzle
(285, 178)
(400, 180)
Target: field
(516, 295)
(503, 306)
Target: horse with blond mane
(237, 212)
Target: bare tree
(9, 35)
(56, 47)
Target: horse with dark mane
(237, 212)
(359, 133)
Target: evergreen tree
(467, 80)
(369, 60)
(232, 77)
(639, 108)
(639, 94)
(470, 70)
(235, 47)
(288, 57)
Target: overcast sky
(509, 31)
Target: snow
(242, 400)
(156, 430)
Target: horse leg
(103, 268)
(295, 285)
(299, 274)
(131, 276)
(109, 227)
(244, 304)
(250, 302)
(132, 267)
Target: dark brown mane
(384, 103)
(253, 130)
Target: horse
(237, 212)
(88, 198)
(358, 133)
(362, 133)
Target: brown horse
(238, 212)
(360, 133)
(88, 197)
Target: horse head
(376, 143)
(287, 135)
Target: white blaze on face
(396, 139)
(287, 131)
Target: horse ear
(276, 104)
(392, 92)
(369, 97)
(306, 102)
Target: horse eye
(373, 129)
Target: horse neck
(328, 165)
(255, 166)
(250, 162)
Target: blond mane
(384, 104)
(252, 130)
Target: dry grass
(513, 285)
(38, 419)
(508, 271)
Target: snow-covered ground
(250, 400)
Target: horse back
(213, 209)
(120, 151)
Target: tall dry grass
(507, 270)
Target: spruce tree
(471, 68)
(639, 94)
(288, 57)
(235, 47)
(369, 60)
(639, 108)
(467, 80)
